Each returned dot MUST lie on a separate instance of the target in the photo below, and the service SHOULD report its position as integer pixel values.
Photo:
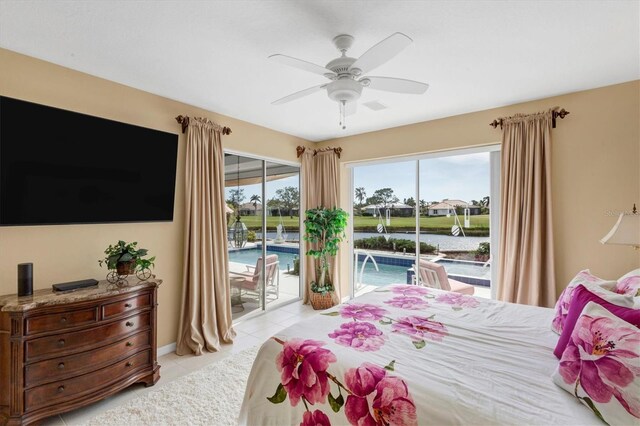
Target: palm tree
(255, 199)
(360, 195)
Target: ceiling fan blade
(298, 95)
(397, 85)
(381, 52)
(300, 64)
(351, 108)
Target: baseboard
(167, 349)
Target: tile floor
(250, 332)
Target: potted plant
(324, 230)
(126, 258)
(483, 252)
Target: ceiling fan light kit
(345, 73)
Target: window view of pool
(390, 269)
(250, 256)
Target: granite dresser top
(49, 297)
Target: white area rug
(209, 396)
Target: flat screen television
(63, 167)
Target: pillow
(601, 366)
(582, 296)
(629, 284)
(562, 305)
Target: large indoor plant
(324, 230)
(126, 258)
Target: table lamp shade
(626, 231)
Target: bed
(408, 355)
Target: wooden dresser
(61, 351)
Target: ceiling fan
(347, 74)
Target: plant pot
(126, 268)
(321, 301)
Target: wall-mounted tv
(63, 167)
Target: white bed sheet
(493, 365)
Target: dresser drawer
(70, 365)
(118, 308)
(63, 390)
(85, 339)
(60, 321)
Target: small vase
(126, 268)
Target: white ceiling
(213, 54)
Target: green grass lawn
(480, 222)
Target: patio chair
(435, 276)
(250, 283)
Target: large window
(263, 233)
(435, 209)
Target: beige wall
(596, 158)
(595, 167)
(65, 253)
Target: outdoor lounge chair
(435, 276)
(250, 282)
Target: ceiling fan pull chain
(343, 114)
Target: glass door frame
(265, 160)
(494, 194)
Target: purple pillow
(581, 296)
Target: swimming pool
(467, 272)
(250, 256)
(392, 269)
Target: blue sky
(272, 187)
(463, 177)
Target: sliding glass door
(263, 233)
(384, 224)
(428, 212)
(454, 218)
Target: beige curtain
(205, 321)
(321, 183)
(526, 271)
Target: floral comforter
(409, 355)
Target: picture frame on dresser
(63, 351)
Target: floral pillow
(601, 366)
(585, 278)
(629, 284)
(581, 297)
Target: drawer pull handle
(129, 324)
(61, 343)
(127, 305)
(63, 320)
(61, 388)
(61, 366)
(129, 344)
(129, 364)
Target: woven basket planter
(322, 301)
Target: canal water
(443, 242)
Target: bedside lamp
(626, 231)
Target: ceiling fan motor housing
(347, 90)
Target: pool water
(250, 256)
(388, 274)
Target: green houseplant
(324, 230)
(125, 258)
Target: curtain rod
(300, 150)
(555, 114)
(184, 120)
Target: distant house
(248, 209)
(397, 209)
(446, 207)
